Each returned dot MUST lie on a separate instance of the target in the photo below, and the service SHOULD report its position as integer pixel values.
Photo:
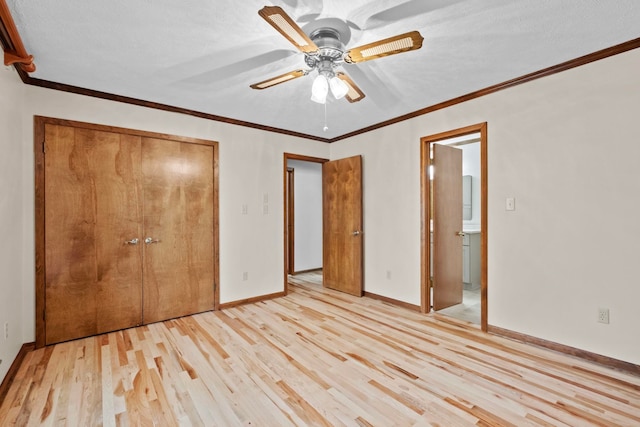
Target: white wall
(307, 215)
(566, 147)
(391, 208)
(11, 217)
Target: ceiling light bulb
(320, 89)
(338, 87)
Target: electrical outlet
(388, 274)
(603, 315)
(6, 330)
(245, 276)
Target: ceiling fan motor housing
(330, 50)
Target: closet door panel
(92, 206)
(178, 219)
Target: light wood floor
(469, 310)
(314, 357)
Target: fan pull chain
(325, 128)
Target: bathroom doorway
(454, 218)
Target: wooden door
(178, 229)
(342, 225)
(92, 207)
(447, 226)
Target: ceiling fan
(324, 52)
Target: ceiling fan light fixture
(338, 88)
(320, 89)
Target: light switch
(245, 209)
(510, 204)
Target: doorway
(454, 223)
(341, 240)
(302, 194)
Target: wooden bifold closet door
(178, 218)
(92, 190)
(128, 230)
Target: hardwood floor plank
(108, 398)
(314, 357)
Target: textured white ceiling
(203, 54)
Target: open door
(447, 226)
(342, 225)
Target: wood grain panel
(178, 213)
(314, 357)
(92, 188)
(447, 223)
(342, 217)
(40, 126)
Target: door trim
(286, 157)
(290, 224)
(425, 217)
(39, 162)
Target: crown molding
(14, 51)
(9, 46)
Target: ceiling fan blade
(397, 44)
(354, 94)
(279, 20)
(278, 79)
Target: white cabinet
(471, 260)
(466, 268)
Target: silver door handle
(132, 241)
(356, 233)
(150, 240)
(461, 234)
